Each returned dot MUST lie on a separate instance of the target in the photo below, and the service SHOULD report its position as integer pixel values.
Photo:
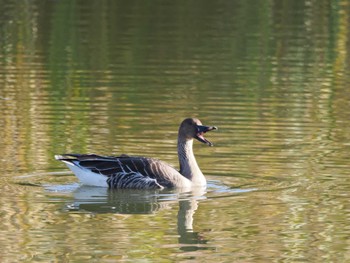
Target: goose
(134, 172)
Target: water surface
(112, 77)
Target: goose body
(125, 171)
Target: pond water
(113, 77)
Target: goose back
(129, 171)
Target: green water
(112, 77)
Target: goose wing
(126, 171)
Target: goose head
(192, 128)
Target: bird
(137, 172)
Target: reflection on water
(99, 200)
(119, 76)
(102, 200)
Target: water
(112, 77)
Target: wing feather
(132, 180)
(126, 171)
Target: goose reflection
(126, 201)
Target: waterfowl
(136, 172)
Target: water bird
(135, 172)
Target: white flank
(87, 177)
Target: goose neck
(188, 164)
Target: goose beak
(201, 129)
